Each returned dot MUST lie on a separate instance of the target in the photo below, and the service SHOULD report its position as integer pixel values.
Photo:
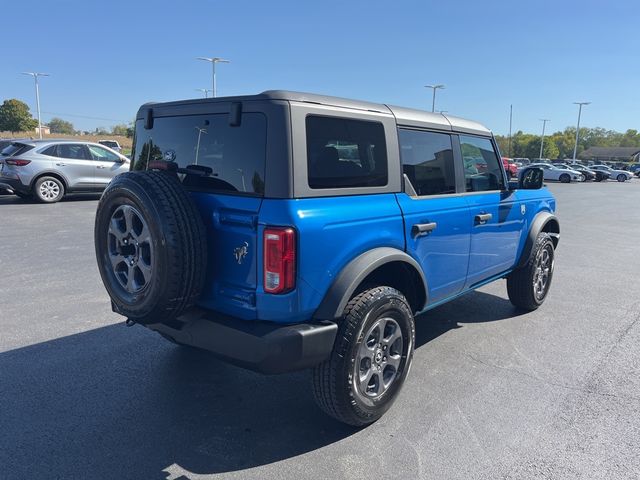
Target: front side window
(345, 153)
(229, 159)
(482, 169)
(103, 154)
(427, 159)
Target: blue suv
(285, 231)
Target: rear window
(15, 149)
(345, 153)
(110, 144)
(231, 157)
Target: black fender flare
(352, 275)
(543, 221)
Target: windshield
(227, 158)
(109, 144)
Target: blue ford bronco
(286, 231)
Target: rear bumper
(13, 184)
(259, 346)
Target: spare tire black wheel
(150, 246)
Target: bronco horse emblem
(241, 252)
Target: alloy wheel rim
(130, 248)
(542, 273)
(49, 190)
(379, 358)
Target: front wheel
(370, 360)
(565, 178)
(622, 178)
(528, 286)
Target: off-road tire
(179, 256)
(334, 386)
(41, 196)
(520, 282)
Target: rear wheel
(528, 286)
(565, 178)
(48, 189)
(370, 359)
(150, 246)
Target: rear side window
(231, 158)
(482, 169)
(427, 159)
(50, 151)
(345, 153)
(73, 151)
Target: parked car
(48, 169)
(619, 175)
(361, 223)
(585, 172)
(522, 161)
(112, 144)
(595, 175)
(564, 175)
(510, 167)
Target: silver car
(48, 169)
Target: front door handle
(483, 218)
(101, 166)
(423, 228)
(60, 164)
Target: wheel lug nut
(384, 359)
(384, 348)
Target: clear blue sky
(107, 58)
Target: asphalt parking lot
(492, 393)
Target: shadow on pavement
(10, 199)
(119, 402)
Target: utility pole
(433, 101)
(575, 147)
(213, 61)
(510, 122)
(35, 76)
(205, 91)
(544, 123)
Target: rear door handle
(423, 228)
(100, 166)
(61, 164)
(483, 218)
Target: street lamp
(205, 91)
(213, 61)
(35, 76)
(544, 124)
(433, 102)
(575, 147)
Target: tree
(120, 130)
(58, 125)
(15, 117)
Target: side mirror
(531, 178)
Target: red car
(510, 167)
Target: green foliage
(120, 130)
(560, 144)
(15, 117)
(58, 125)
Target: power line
(85, 116)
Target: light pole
(205, 91)
(35, 76)
(544, 124)
(575, 147)
(433, 101)
(213, 61)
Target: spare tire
(150, 246)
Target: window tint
(50, 151)
(427, 159)
(99, 153)
(73, 151)
(343, 153)
(482, 170)
(230, 159)
(109, 143)
(16, 149)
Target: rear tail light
(279, 260)
(17, 162)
